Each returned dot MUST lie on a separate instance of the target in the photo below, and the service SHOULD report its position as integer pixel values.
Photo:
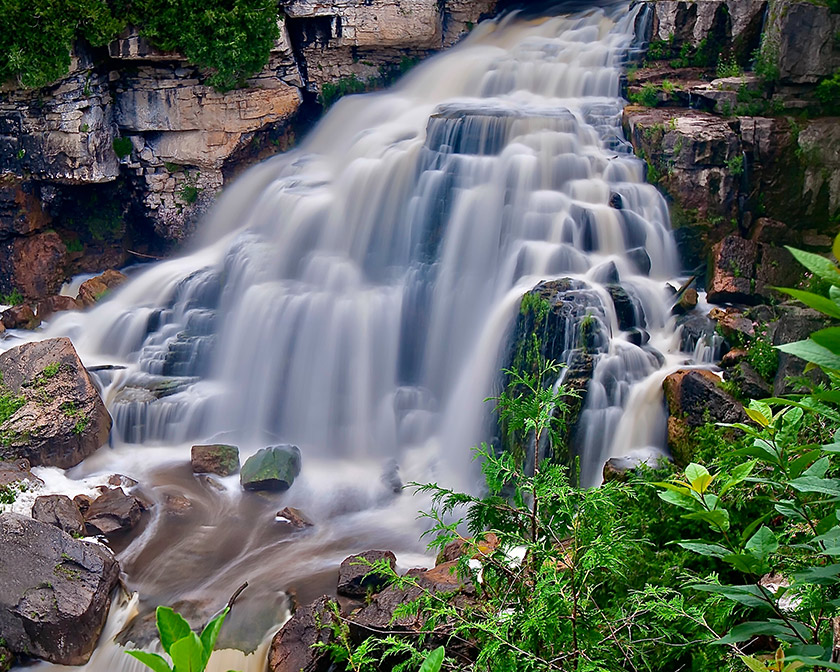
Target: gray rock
(112, 513)
(747, 379)
(60, 511)
(272, 468)
(62, 419)
(794, 324)
(355, 578)
(17, 472)
(695, 396)
(800, 35)
(293, 518)
(54, 591)
(619, 468)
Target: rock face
(61, 418)
(355, 578)
(273, 468)
(291, 649)
(55, 591)
(218, 459)
(801, 37)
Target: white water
(355, 297)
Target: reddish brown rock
(732, 357)
(94, 289)
(55, 304)
(34, 265)
(696, 397)
(291, 649)
(113, 512)
(733, 324)
(294, 518)
(61, 419)
(20, 317)
(732, 276)
(216, 458)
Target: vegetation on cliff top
(230, 38)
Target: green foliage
(231, 39)
(81, 425)
(13, 298)
(332, 91)
(10, 492)
(38, 35)
(9, 403)
(188, 651)
(122, 147)
(735, 165)
(729, 67)
(51, 370)
(74, 245)
(648, 96)
(763, 357)
(828, 92)
(766, 61)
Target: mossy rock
(273, 468)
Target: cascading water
(355, 297)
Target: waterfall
(355, 297)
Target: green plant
(74, 245)
(13, 298)
(188, 651)
(122, 147)
(332, 91)
(735, 165)
(828, 92)
(81, 425)
(84, 128)
(729, 67)
(648, 96)
(9, 493)
(766, 60)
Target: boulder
(748, 381)
(355, 578)
(695, 396)
(291, 649)
(272, 468)
(17, 471)
(54, 591)
(620, 468)
(216, 458)
(60, 511)
(20, 317)
(113, 512)
(735, 326)
(61, 418)
(687, 302)
(794, 324)
(732, 275)
(94, 289)
(294, 518)
(55, 304)
(34, 265)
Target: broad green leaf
(818, 265)
(211, 632)
(433, 661)
(798, 465)
(151, 660)
(171, 627)
(818, 469)
(810, 661)
(812, 352)
(678, 499)
(789, 510)
(757, 417)
(702, 548)
(793, 416)
(827, 486)
(188, 654)
(762, 543)
(815, 301)
(719, 518)
(754, 664)
(738, 475)
(746, 564)
(828, 338)
(750, 596)
(762, 407)
(693, 472)
(680, 489)
(822, 576)
(835, 248)
(777, 629)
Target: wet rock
(17, 471)
(291, 649)
(46, 308)
(54, 591)
(735, 326)
(625, 309)
(748, 381)
(454, 550)
(218, 458)
(176, 505)
(6, 659)
(686, 303)
(355, 578)
(112, 513)
(732, 277)
(640, 257)
(60, 511)
(62, 419)
(34, 265)
(620, 468)
(794, 324)
(272, 468)
(294, 518)
(20, 317)
(96, 288)
(732, 358)
(83, 502)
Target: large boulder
(34, 265)
(94, 289)
(355, 578)
(54, 591)
(744, 271)
(291, 649)
(60, 418)
(272, 468)
(800, 37)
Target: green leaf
(678, 499)
(818, 265)
(746, 564)
(753, 664)
(738, 475)
(835, 248)
(762, 543)
(749, 595)
(719, 518)
(714, 550)
(828, 338)
(211, 632)
(188, 654)
(152, 660)
(694, 472)
(818, 469)
(812, 352)
(798, 465)
(815, 301)
(826, 486)
(171, 627)
(433, 661)
(778, 629)
(758, 418)
(822, 576)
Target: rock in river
(272, 468)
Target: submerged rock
(217, 458)
(54, 591)
(17, 472)
(60, 418)
(294, 518)
(355, 578)
(20, 317)
(272, 468)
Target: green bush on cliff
(37, 36)
(231, 38)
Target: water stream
(355, 297)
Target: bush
(122, 147)
(828, 92)
(648, 96)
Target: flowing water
(355, 297)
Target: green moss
(81, 425)
(13, 298)
(122, 147)
(332, 91)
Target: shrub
(828, 92)
(13, 298)
(332, 91)
(648, 96)
(122, 147)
